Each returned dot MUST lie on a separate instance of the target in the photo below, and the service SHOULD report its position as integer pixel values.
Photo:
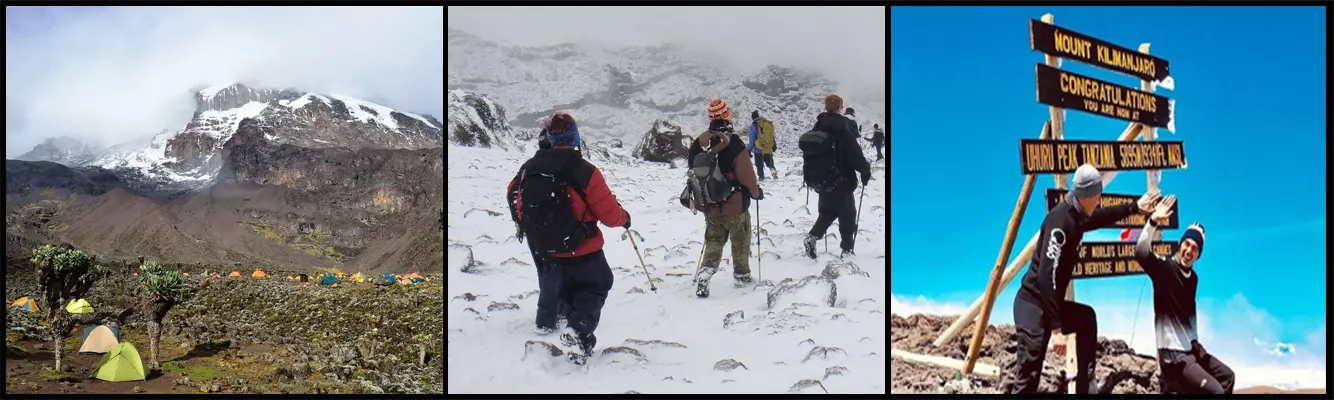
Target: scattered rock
(635, 289)
(728, 365)
(822, 352)
(617, 354)
(733, 318)
(537, 347)
(474, 312)
(497, 306)
(465, 297)
(864, 338)
(835, 269)
(807, 341)
(807, 386)
(728, 381)
(812, 288)
(523, 295)
(834, 370)
(669, 378)
(653, 342)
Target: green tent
(121, 364)
(328, 279)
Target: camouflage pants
(716, 232)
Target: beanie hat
(1088, 182)
(755, 114)
(848, 111)
(718, 109)
(1195, 232)
(562, 130)
(720, 125)
(876, 126)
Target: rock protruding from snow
(619, 354)
(663, 143)
(727, 365)
(653, 342)
(539, 348)
(733, 318)
(823, 352)
(808, 386)
(236, 95)
(475, 121)
(497, 306)
(812, 289)
(834, 370)
(835, 269)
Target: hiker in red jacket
(557, 197)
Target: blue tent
(328, 279)
(387, 279)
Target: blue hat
(562, 130)
(1195, 232)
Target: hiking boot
(846, 253)
(742, 279)
(702, 280)
(775, 174)
(578, 346)
(810, 245)
(541, 331)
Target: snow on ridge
(209, 92)
(353, 106)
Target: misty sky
(751, 37)
(112, 74)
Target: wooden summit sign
(1108, 259)
(1065, 43)
(1064, 156)
(1067, 90)
(1135, 221)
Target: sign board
(1135, 221)
(1064, 156)
(1063, 89)
(1109, 259)
(1065, 43)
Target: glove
(627, 221)
(761, 196)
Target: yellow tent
(358, 277)
(258, 274)
(79, 306)
(27, 304)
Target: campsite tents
(328, 280)
(234, 273)
(303, 278)
(258, 274)
(26, 303)
(386, 280)
(120, 364)
(79, 306)
(99, 339)
(358, 277)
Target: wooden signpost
(1065, 156)
(1050, 154)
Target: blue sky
(1250, 107)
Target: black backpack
(819, 154)
(545, 215)
(706, 184)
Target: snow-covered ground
(487, 344)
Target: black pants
(1032, 336)
(837, 204)
(584, 283)
(878, 155)
(1184, 373)
(549, 304)
(761, 160)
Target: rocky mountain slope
(63, 150)
(618, 94)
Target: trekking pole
(857, 225)
(759, 260)
(641, 260)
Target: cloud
(846, 43)
(1243, 336)
(117, 73)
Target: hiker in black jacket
(1040, 309)
(878, 140)
(840, 203)
(1185, 366)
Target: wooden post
(1149, 135)
(1131, 133)
(1057, 114)
(990, 297)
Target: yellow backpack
(764, 138)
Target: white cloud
(1238, 333)
(117, 73)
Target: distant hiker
(831, 159)
(556, 198)
(1185, 366)
(1040, 309)
(721, 185)
(762, 143)
(877, 140)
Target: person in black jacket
(1185, 366)
(877, 140)
(840, 203)
(1040, 309)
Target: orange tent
(258, 274)
(413, 275)
(234, 273)
(334, 285)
